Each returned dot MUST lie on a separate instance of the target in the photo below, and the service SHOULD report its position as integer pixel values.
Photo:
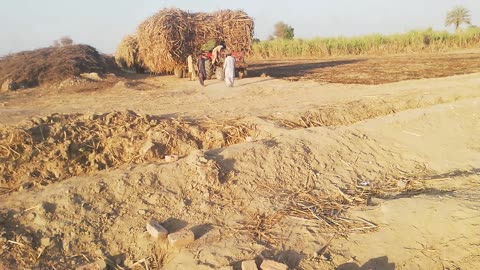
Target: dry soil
(312, 174)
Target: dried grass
(127, 53)
(52, 65)
(327, 115)
(60, 146)
(326, 210)
(261, 226)
(17, 251)
(168, 37)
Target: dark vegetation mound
(51, 65)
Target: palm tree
(459, 15)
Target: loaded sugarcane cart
(166, 39)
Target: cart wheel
(242, 74)
(219, 74)
(210, 69)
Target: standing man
(229, 68)
(215, 52)
(202, 73)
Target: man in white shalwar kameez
(229, 68)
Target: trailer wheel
(242, 73)
(219, 74)
(209, 69)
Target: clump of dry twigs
(261, 226)
(328, 210)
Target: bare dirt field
(371, 70)
(358, 163)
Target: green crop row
(376, 44)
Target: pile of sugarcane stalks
(167, 38)
(127, 53)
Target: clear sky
(30, 24)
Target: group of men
(228, 66)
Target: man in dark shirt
(202, 73)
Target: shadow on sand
(296, 69)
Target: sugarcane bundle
(206, 29)
(165, 40)
(236, 28)
(168, 37)
(127, 53)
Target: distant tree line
(456, 17)
(283, 31)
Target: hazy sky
(30, 24)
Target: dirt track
(317, 176)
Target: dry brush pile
(51, 65)
(168, 37)
(60, 146)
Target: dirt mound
(270, 185)
(51, 65)
(61, 146)
(355, 111)
(285, 195)
(70, 208)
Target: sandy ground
(330, 176)
(259, 97)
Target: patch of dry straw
(60, 146)
(325, 210)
